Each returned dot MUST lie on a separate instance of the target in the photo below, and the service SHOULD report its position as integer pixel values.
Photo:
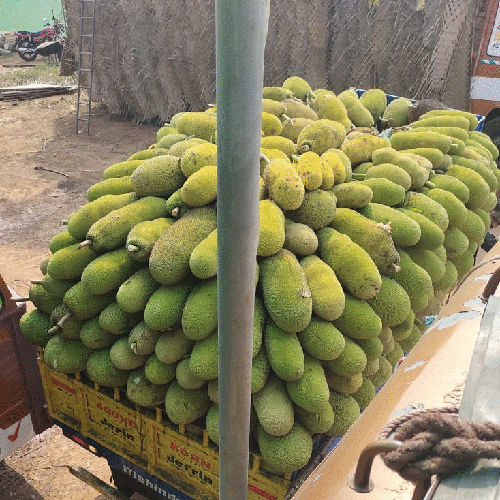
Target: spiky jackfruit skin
(259, 321)
(142, 392)
(70, 328)
(352, 360)
(165, 130)
(318, 209)
(383, 373)
(346, 162)
(57, 288)
(172, 346)
(443, 121)
(484, 217)
(415, 280)
(134, 293)
(300, 239)
(449, 278)
(404, 230)
(352, 195)
(95, 337)
(333, 160)
(41, 299)
(164, 307)
(101, 371)
(391, 172)
(174, 120)
(475, 151)
(316, 423)
(276, 93)
(117, 322)
(397, 113)
(388, 346)
(180, 147)
(284, 184)
(271, 228)
(123, 357)
(292, 127)
(463, 263)
(201, 187)
(271, 124)
(455, 242)
(310, 392)
(69, 262)
(65, 355)
(358, 320)
(122, 169)
(365, 394)
(486, 142)
(435, 156)
(186, 378)
(170, 140)
(403, 329)
(322, 340)
(454, 207)
(201, 125)
(84, 305)
(344, 385)
(416, 139)
(441, 253)
(361, 148)
(284, 353)
(114, 185)
(409, 343)
(184, 406)
(429, 261)
(346, 411)
(452, 112)
(451, 184)
(285, 291)
(276, 108)
(338, 130)
(356, 112)
(310, 170)
(478, 187)
(422, 204)
(277, 142)
(473, 227)
(298, 86)
(274, 407)
(431, 236)
(62, 240)
(372, 366)
(199, 317)
(260, 374)
(329, 106)
(143, 236)
(375, 101)
(286, 453)
(385, 192)
(203, 259)
(395, 355)
(212, 423)
(142, 340)
(328, 175)
(375, 240)
(108, 271)
(197, 157)
(351, 264)
(157, 372)
(295, 108)
(169, 260)
(327, 294)
(317, 137)
(35, 325)
(372, 347)
(203, 361)
(176, 207)
(484, 171)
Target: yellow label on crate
(64, 397)
(114, 425)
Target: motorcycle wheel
(24, 55)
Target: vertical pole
(240, 41)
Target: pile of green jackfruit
(366, 222)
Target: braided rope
(437, 441)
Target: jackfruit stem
(430, 185)
(305, 147)
(20, 299)
(286, 118)
(63, 320)
(295, 157)
(54, 330)
(65, 222)
(85, 243)
(263, 157)
(133, 248)
(175, 212)
(36, 282)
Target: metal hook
(360, 481)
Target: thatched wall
(156, 57)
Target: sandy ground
(32, 204)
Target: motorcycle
(28, 41)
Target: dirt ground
(41, 133)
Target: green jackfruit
(357, 113)
(298, 86)
(197, 124)
(284, 184)
(169, 260)
(169, 140)
(95, 337)
(411, 140)
(358, 320)
(455, 242)
(277, 142)
(435, 156)
(143, 236)
(365, 394)
(404, 230)
(327, 295)
(484, 217)
(271, 124)
(276, 93)
(451, 184)
(397, 113)
(164, 307)
(486, 142)
(142, 340)
(375, 240)
(476, 152)
(84, 305)
(176, 206)
(43, 265)
(180, 147)
(392, 304)
(331, 159)
(329, 106)
(481, 169)
(204, 358)
(375, 101)
(276, 108)
(473, 227)
(121, 169)
(395, 355)
(274, 407)
(452, 112)
(352, 360)
(310, 170)
(55, 288)
(184, 406)
(403, 329)
(111, 231)
(123, 357)
(362, 148)
(134, 293)
(186, 378)
(212, 422)
(441, 253)
(316, 423)
(68, 263)
(352, 265)
(454, 207)
(172, 346)
(165, 130)
(260, 373)
(117, 322)
(344, 385)
(300, 239)
(35, 326)
(431, 236)
(158, 372)
(203, 260)
(463, 263)
(346, 411)
(284, 353)
(142, 392)
(271, 228)
(408, 343)
(69, 325)
(352, 195)
(322, 340)
(197, 157)
(383, 373)
(373, 365)
(108, 271)
(310, 392)
(372, 348)
(114, 185)
(292, 127)
(286, 294)
(347, 170)
(317, 210)
(422, 204)
(286, 453)
(201, 187)
(338, 130)
(385, 191)
(429, 261)
(317, 137)
(454, 121)
(159, 176)
(66, 356)
(199, 317)
(101, 371)
(62, 240)
(391, 172)
(445, 164)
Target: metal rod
(241, 29)
(360, 481)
